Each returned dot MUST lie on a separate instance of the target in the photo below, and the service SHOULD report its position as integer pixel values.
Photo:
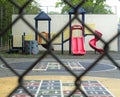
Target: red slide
(78, 45)
(93, 42)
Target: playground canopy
(42, 16)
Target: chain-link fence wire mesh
(50, 52)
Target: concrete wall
(107, 24)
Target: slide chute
(77, 43)
(93, 42)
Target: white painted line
(38, 88)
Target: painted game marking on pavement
(53, 66)
(44, 66)
(55, 88)
(41, 67)
(95, 89)
(76, 66)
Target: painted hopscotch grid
(41, 88)
(55, 66)
(95, 89)
(76, 66)
(50, 88)
(31, 85)
(41, 66)
(55, 88)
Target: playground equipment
(14, 43)
(77, 41)
(64, 37)
(42, 17)
(31, 47)
(93, 42)
(27, 45)
(42, 42)
(76, 44)
(71, 12)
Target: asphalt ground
(109, 78)
(90, 57)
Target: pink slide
(93, 41)
(78, 45)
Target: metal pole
(49, 30)
(83, 20)
(36, 26)
(70, 34)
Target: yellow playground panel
(58, 40)
(17, 40)
(91, 26)
(29, 37)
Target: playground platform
(104, 74)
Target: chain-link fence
(78, 78)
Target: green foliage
(52, 12)
(91, 6)
(31, 8)
(7, 9)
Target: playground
(72, 38)
(85, 71)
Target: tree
(91, 6)
(32, 8)
(7, 9)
